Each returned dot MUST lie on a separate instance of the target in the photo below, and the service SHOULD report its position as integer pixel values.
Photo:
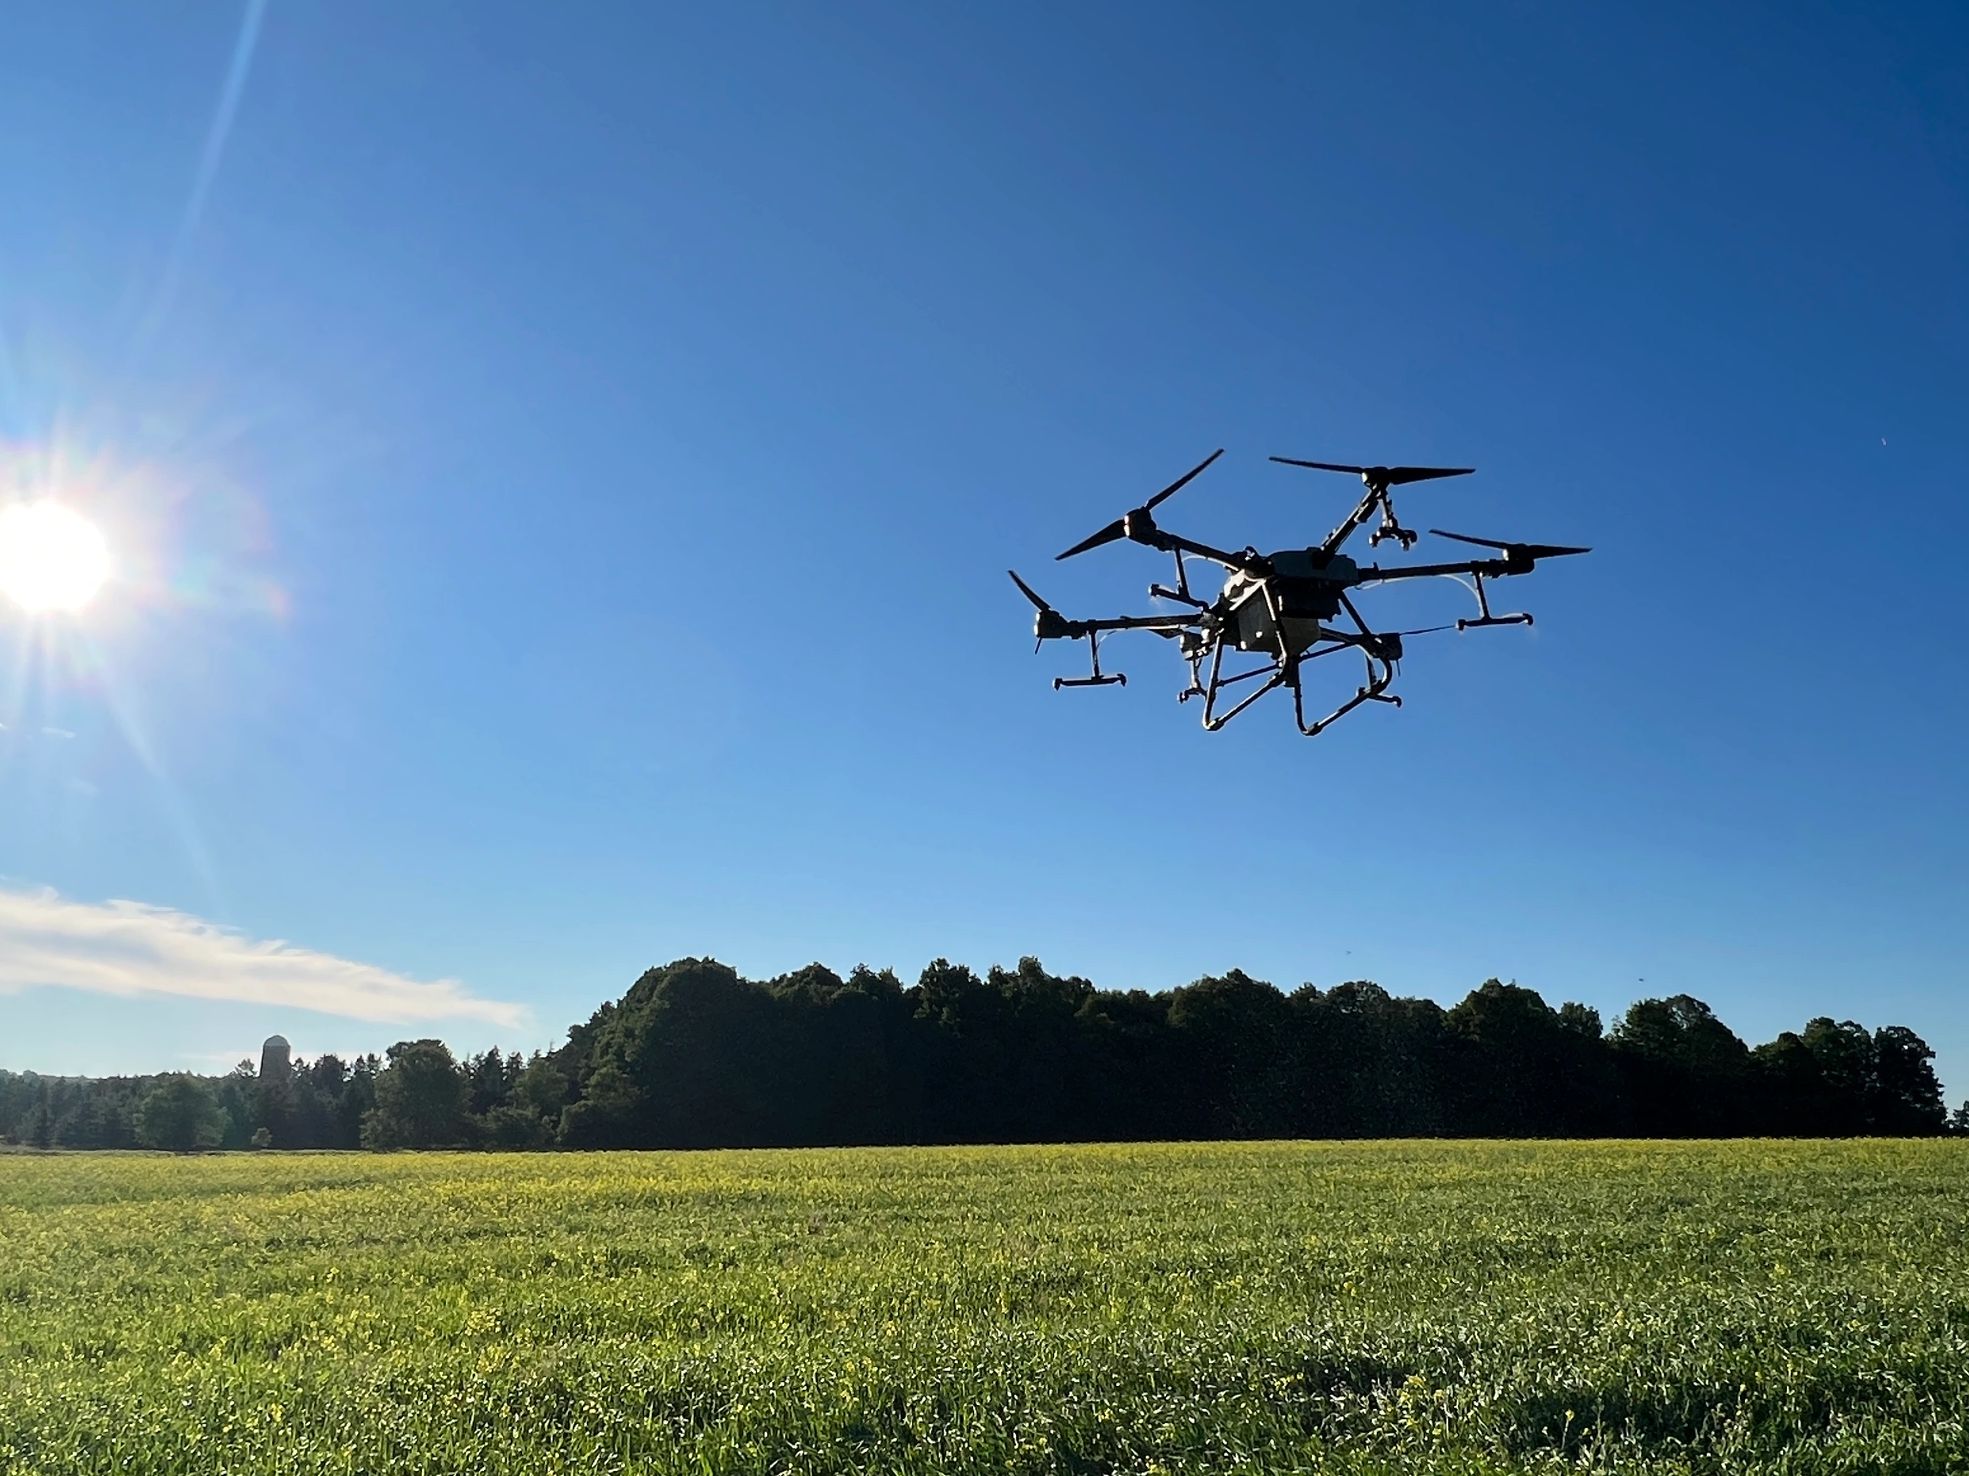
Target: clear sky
(560, 464)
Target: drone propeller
(1048, 624)
(1382, 476)
(1515, 550)
(1119, 527)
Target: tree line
(695, 1056)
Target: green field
(1274, 1307)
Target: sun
(51, 557)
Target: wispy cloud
(131, 949)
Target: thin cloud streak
(131, 949)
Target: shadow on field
(1694, 1419)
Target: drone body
(1287, 606)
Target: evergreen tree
(180, 1114)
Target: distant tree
(699, 1047)
(97, 1114)
(843, 1052)
(1523, 1069)
(960, 1022)
(515, 1126)
(357, 1098)
(329, 1073)
(273, 1100)
(1233, 1038)
(1581, 1019)
(1125, 1055)
(1793, 1098)
(1030, 1057)
(1848, 1069)
(180, 1114)
(1370, 1065)
(608, 1113)
(491, 1078)
(420, 1099)
(542, 1087)
(239, 1093)
(1685, 1073)
(1907, 1099)
(1958, 1121)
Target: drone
(1285, 608)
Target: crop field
(1268, 1307)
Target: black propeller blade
(1518, 550)
(1026, 590)
(1382, 476)
(1119, 527)
(1184, 480)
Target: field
(1276, 1307)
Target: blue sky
(561, 464)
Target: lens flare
(51, 557)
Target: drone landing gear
(1115, 679)
(1376, 690)
(1213, 720)
(1486, 618)
(1390, 526)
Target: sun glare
(51, 557)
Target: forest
(695, 1056)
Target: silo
(276, 1059)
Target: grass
(1273, 1307)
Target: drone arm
(1354, 615)
(1079, 628)
(1375, 574)
(1376, 496)
(1478, 569)
(1174, 543)
(1091, 632)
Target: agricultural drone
(1283, 606)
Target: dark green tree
(239, 1092)
(1792, 1097)
(1907, 1099)
(1233, 1040)
(608, 1114)
(1843, 1053)
(420, 1099)
(542, 1088)
(180, 1114)
(1521, 1069)
(1685, 1073)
